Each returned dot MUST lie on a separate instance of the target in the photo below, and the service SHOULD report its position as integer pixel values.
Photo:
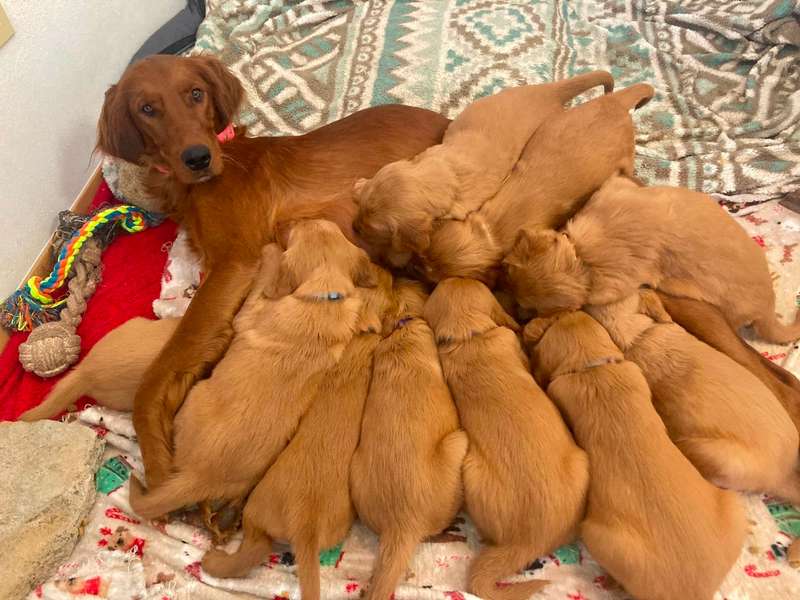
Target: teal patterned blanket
(726, 117)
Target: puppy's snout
(196, 157)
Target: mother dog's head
(166, 111)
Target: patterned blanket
(725, 120)
(726, 117)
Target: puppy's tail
(394, 554)
(306, 552)
(178, 490)
(65, 392)
(569, 88)
(254, 549)
(772, 330)
(496, 562)
(635, 96)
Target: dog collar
(325, 297)
(598, 362)
(224, 136)
(227, 134)
(403, 322)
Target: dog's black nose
(197, 157)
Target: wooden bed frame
(44, 262)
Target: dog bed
(725, 120)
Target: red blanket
(132, 268)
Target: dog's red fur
(231, 208)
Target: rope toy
(42, 305)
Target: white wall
(53, 74)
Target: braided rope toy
(41, 300)
(43, 307)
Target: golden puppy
(525, 480)
(651, 520)
(726, 422)
(111, 371)
(567, 159)
(398, 206)
(706, 323)
(628, 236)
(249, 408)
(305, 495)
(406, 474)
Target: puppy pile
(401, 398)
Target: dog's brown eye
(197, 95)
(147, 109)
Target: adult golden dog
(167, 112)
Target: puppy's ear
(536, 328)
(650, 305)
(280, 284)
(226, 89)
(414, 236)
(365, 275)
(117, 134)
(503, 319)
(358, 187)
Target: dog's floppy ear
(650, 305)
(502, 318)
(536, 328)
(412, 235)
(117, 134)
(277, 281)
(365, 275)
(226, 90)
(358, 187)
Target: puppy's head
(397, 207)
(459, 309)
(565, 342)
(318, 255)
(167, 111)
(460, 249)
(545, 273)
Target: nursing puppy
(525, 480)
(111, 371)
(566, 160)
(726, 422)
(304, 498)
(671, 535)
(249, 408)
(406, 473)
(706, 323)
(398, 206)
(628, 236)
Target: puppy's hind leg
(177, 491)
(306, 551)
(394, 553)
(771, 330)
(255, 547)
(496, 562)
